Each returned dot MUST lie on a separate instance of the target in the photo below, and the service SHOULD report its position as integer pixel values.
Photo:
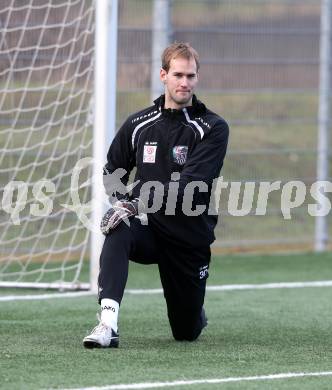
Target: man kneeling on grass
(177, 142)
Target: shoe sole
(89, 344)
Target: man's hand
(120, 211)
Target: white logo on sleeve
(149, 154)
(204, 272)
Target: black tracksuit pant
(183, 273)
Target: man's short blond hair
(178, 50)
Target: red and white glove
(122, 210)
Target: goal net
(46, 94)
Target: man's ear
(163, 75)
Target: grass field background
(250, 332)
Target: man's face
(180, 82)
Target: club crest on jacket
(180, 154)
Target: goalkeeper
(177, 146)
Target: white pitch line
(155, 385)
(226, 287)
(233, 287)
(265, 286)
(44, 296)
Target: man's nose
(184, 81)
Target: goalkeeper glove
(122, 210)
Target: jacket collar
(197, 106)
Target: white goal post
(57, 109)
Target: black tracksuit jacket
(159, 142)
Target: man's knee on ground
(187, 335)
(184, 330)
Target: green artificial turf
(250, 333)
